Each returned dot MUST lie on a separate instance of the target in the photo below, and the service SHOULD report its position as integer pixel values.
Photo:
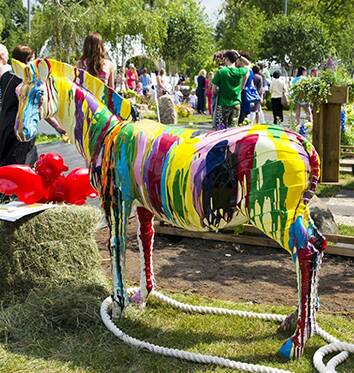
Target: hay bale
(50, 248)
(66, 308)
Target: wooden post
(326, 133)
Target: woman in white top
(277, 89)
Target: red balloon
(50, 166)
(23, 181)
(78, 186)
(46, 182)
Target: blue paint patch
(117, 103)
(164, 197)
(286, 349)
(298, 235)
(124, 175)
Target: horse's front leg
(119, 218)
(307, 259)
(146, 240)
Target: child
(193, 100)
(178, 96)
(139, 89)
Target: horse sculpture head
(38, 98)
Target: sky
(211, 8)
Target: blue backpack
(250, 91)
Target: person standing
(301, 74)
(228, 83)
(162, 86)
(277, 90)
(314, 72)
(209, 92)
(258, 83)
(131, 76)
(201, 81)
(93, 59)
(13, 151)
(145, 81)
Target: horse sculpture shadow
(264, 175)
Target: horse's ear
(19, 69)
(44, 68)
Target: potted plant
(326, 94)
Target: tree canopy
(12, 23)
(180, 32)
(295, 40)
(241, 28)
(312, 30)
(189, 42)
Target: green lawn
(346, 230)
(330, 190)
(191, 119)
(60, 331)
(45, 139)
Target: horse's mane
(118, 105)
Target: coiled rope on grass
(334, 346)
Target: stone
(322, 216)
(167, 110)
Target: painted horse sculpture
(198, 181)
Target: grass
(346, 230)
(46, 139)
(195, 119)
(59, 330)
(330, 190)
(187, 120)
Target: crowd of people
(231, 93)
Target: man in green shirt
(228, 83)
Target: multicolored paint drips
(264, 175)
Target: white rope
(335, 344)
(333, 347)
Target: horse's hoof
(290, 351)
(117, 312)
(288, 326)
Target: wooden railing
(338, 245)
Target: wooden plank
(347, 154)
(339, 95)
(317, 131)
(336, 238)
(344, 251)
(331, 143)
(345, 247)
(216, 236)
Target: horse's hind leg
(146, 240)
(307, 257)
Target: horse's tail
(315, 169)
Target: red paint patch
(154, 166)
(146, 235)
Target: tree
(12, 23)
(62, 25)
(241, 28)
(337, 16)
(123, 21)
(295, 40)
(189, 42)
(65, 23)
